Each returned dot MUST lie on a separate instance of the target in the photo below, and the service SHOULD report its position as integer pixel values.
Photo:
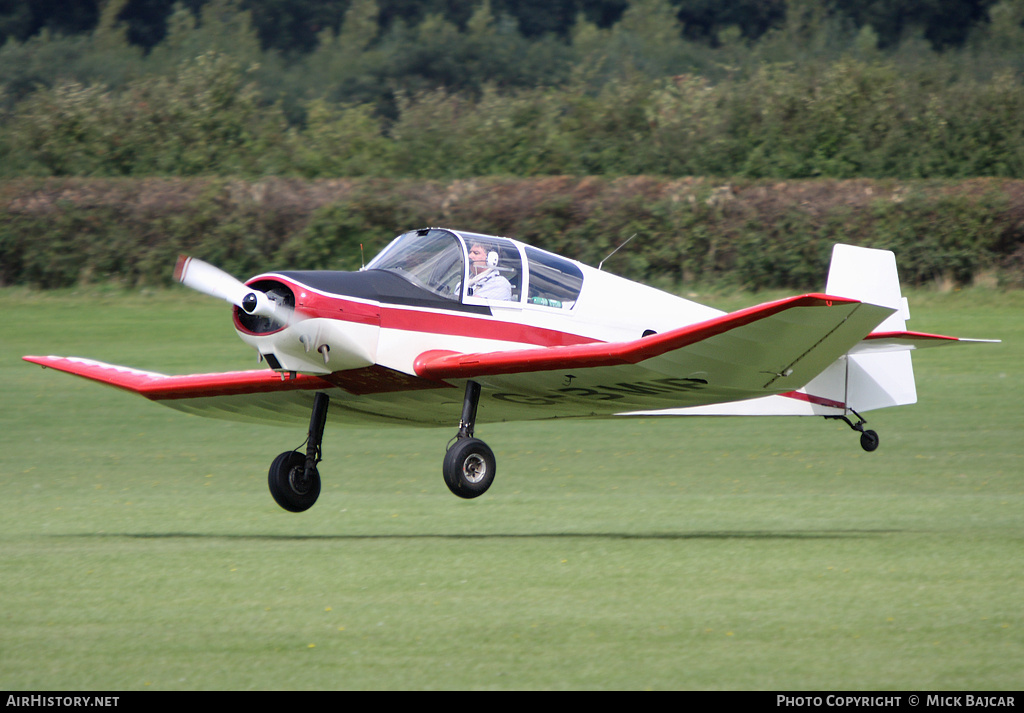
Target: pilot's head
(481, 259)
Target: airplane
(445, 326)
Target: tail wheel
(869, 440)
(469, 467)
(293, 486)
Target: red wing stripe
(230, 383)
(442, 364)
(916, 340)
(160, 387)
(912, 336)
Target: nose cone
(249, 302)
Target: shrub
(755, 234)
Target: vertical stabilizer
(869, 275)
(881, 379)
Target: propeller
(204, 277)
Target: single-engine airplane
(445, 321)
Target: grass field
(140, 549)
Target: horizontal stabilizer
(902, 341)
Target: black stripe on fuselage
(378, 285)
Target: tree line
(814, 92)
(292, 26)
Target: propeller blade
(204, 277)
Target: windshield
(456, 266)
(432, 259)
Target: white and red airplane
(444, 323)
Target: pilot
(484, 279)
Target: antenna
(616, 250)
(362, 259)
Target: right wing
(162, 387)
(372, 394)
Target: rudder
(874, 380)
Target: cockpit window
(554, 281)
(432, 259)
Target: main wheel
(293, 488)
(869, 440)
(469, 467)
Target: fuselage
(418, 295)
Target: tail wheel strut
(868, 439)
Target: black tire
(293, 488)
(469, 467)
(869, 440)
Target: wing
(258, 396)
(161, 387)
(371, 395)
(773, 348)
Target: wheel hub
(298, 481)
(474, 468)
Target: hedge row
(751, 234)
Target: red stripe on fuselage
(462, 325)
(315, 304)
(311, 303)
(812, 399)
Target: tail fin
(875, 373)
(874, 379)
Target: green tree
(205, 119)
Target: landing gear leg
(868, 439)
(293, 478)
(469, 406)
(469, 465)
